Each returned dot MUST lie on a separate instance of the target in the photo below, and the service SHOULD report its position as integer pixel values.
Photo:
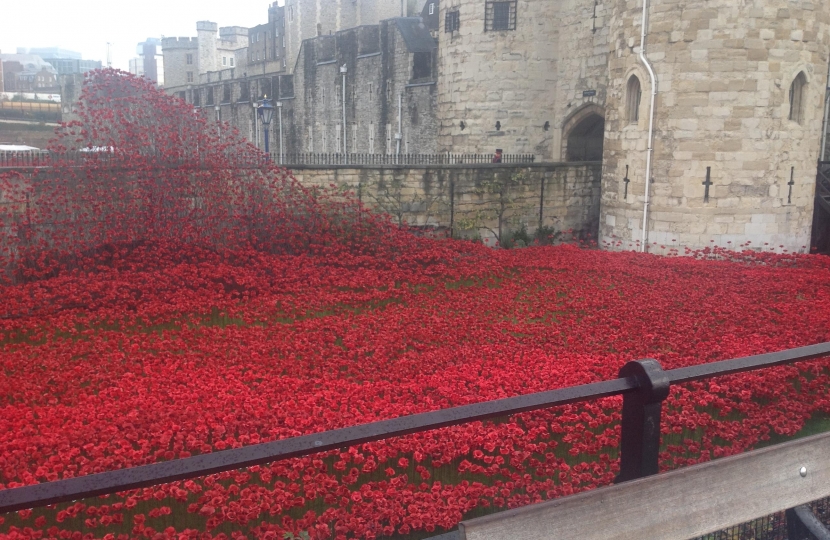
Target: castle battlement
(179, 43)
(233, 31)
(207, 26)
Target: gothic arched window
(797, 98)
(632, 103)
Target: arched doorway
(583, 135)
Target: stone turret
(207, 37)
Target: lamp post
(255, 105)
(266, 114)
(343, 72)
(279, 109)
(218, 121)
(198, 150)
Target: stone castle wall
(379, 69)
(306, 19)
(463, 198)
(724, 72)
(530, 79)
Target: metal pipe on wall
(343, 71)
(650, 150)
(823, 152)
(400, 124)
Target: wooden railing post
(641, 413)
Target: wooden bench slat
(677, 505)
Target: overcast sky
(86, 26)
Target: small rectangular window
(422, 65)
(452, 21)
(231, 61)
(388, 138)
(337, 146)
(432, 8)
(189, 59)
(500, 16)
(190, 76)
(224, 60)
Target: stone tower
(737, 124)
(181, 61)
(206, 32)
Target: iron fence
(643, 384)
(397, 159)
(44, 158)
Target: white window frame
(371, 138)
(432, 8)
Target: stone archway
(583, 133)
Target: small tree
(504, 207)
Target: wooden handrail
(681, 504)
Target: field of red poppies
(184, 313)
